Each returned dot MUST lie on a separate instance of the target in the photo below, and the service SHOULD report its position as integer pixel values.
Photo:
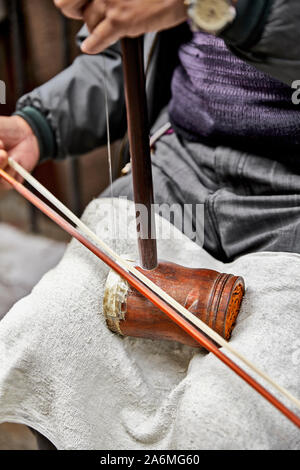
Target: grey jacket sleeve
(266, 34)
(68, 113)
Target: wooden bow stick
(181, 316)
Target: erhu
(199, 306)
(213, 297)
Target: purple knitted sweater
(219, 98)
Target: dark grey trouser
(251, 203)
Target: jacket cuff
(41, 129)
(248, 26)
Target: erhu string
(109, 154)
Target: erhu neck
(139, 140)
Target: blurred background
(36, 43)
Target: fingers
(72, 8)
(4, 186)
(3, 158)
(105, 34)
(93, 14)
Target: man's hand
(110, 20)
(18, 141)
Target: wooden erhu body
(213, 297)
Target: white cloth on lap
(65, 374)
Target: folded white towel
(63, 373)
